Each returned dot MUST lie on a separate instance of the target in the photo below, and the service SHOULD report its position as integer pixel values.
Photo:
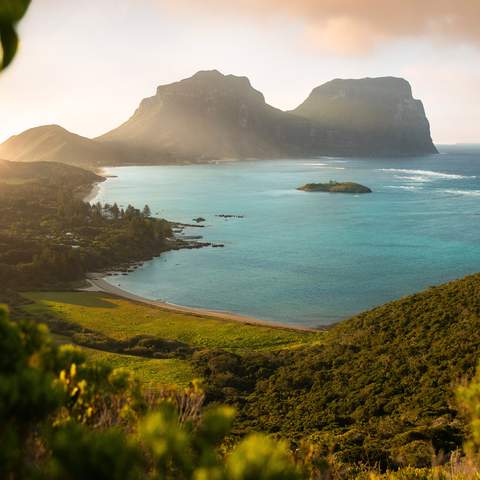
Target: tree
(146, 211)
(115, 211)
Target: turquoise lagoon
(307, 258)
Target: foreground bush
(63, 418)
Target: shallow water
(307, 258)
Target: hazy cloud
(353, 26)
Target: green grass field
(150, 371)
(122, 319)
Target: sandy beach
(98, 284)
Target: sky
(85, 65)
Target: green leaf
(9, 43)
(12, 11)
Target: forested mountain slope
(379, 389)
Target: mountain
(207, 116)
(211, 115)
(215, 116)
(55, 144)
(369, 116)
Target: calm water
(308, 258)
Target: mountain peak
(208, 74)
(210, 79)
(396, 86)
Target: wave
(402, 187)
(468, 193)
(323, 165)
(424, 175)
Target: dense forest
(48, 235)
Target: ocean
(307, 258)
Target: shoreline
(98, 284)
(95, 187)
(92, 194)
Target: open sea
(307, 258)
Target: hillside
(53, 143)
(375, 389)
(45, 172)
(49, 236)
(378, 389)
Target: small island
(335, 187)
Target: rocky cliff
(369, 116)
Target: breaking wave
(422, 175)
(402, 187)
(468, 193)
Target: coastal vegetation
(66, 416)
(49, 236)
(160, 346)
(111, 317)
(379, 388)
(62, 417)
(335, 187)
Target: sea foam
(423, 175)
(468, 193)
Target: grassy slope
(150, 371)
(122, 319)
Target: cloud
(355, 26)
